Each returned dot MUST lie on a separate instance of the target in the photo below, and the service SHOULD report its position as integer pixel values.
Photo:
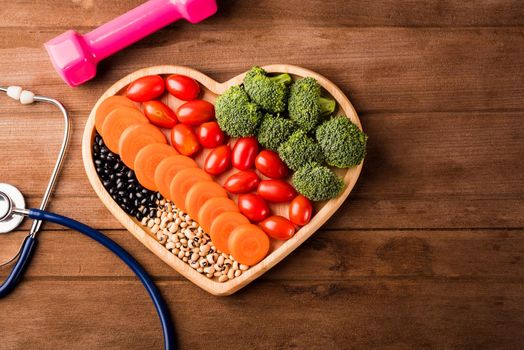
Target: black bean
(121, 183)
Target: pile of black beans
(121, 183)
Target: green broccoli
(273, 131)
(342, 142)
(306, 106)
(317, 182)
(236, 115)
(300, 149)
(270, 93)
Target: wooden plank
(431, 170)
(374, 313)
(381, 69)
(327, 256)
(293, 13)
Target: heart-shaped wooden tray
(211, 89)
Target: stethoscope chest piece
(10, 198)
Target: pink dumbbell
(75, 56)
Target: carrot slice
(183, 181)
(117, 121)
(167, 169)
(213, 208)
(248, 244)
(199, 193)
(107, 106)
(136, 137)
(222, 227)
(147, 161)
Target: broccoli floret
(317, 182)
(270, 93)
(342, 142)
(300, 149)
(306, 106)
(236, 115)
(273, 131)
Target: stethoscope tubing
(30, 243)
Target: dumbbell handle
(131, 27)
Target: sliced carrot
(107, 106)
(116, 122)
(222, 227)
(136, 137)
(147, 161)
(167, 169)
(183, 181)
(213, 208)
(248, 244)
(199, 193)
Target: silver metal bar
(35, 227)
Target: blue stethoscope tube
(30, 243)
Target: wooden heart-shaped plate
(211, 89)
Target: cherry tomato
(182, 87)
(242, 182)
(300, 210)
(146, 88)
(218, 160)
(210, 135)
(270, 164)
(245, 152)
(159, 114)
(278, 227)
(183, 138)
(253, 206)
(276, 191)
(195, 112)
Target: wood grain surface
(427, 252)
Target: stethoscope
(13, 211)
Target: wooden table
(428, 251)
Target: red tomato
(278, 227)
(183, 138)
(270, 164)
(253, 206)
(300, 210)
(276, 191)
(146, 88)
(245, 152)
(210, 135)
(218, 160)
(242, 182)
(159, 114)
(182, 87)
(195, 112)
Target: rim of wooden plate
(134, 227)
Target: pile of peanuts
(182, 236)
